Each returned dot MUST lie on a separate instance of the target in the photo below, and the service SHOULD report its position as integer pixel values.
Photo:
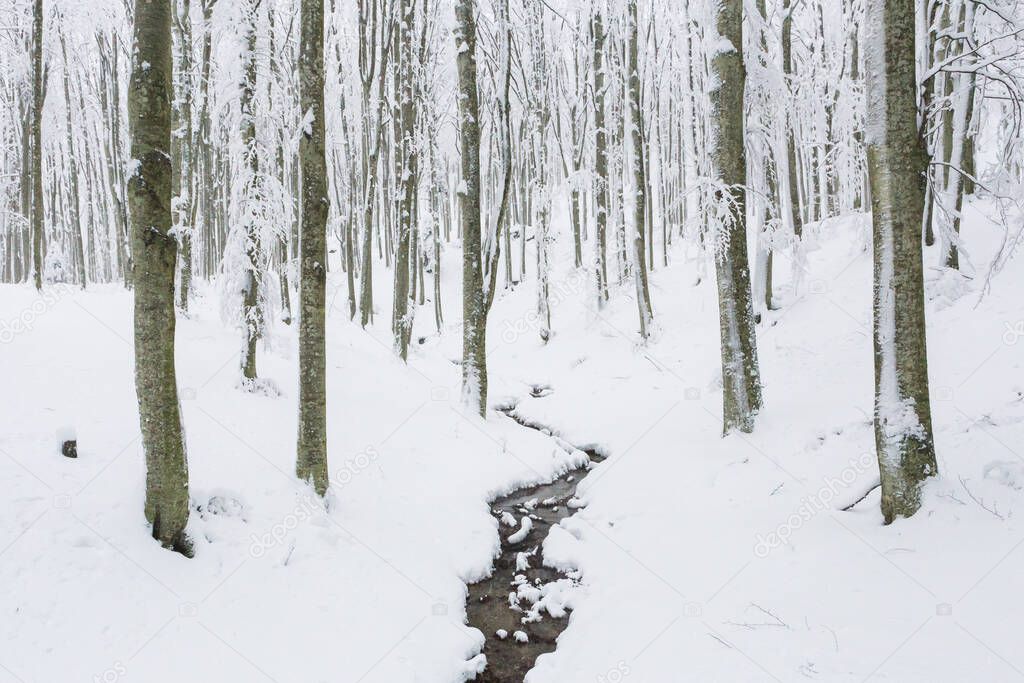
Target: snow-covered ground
(703, 558)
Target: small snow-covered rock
(525, 525)
(522, 562)
(501, 633)
(521, 637)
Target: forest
(511, 340)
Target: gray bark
(252, 311)
(896, 165)
(154, 251)
(643, 293)
(474, 312)
(311, 460)
(601, 161)
(789, 71)
(741, 381)
(73, 200)
(405, 62)
(38, 97)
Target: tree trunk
(154, 251)
(311, 460)
(474, 314)
(252, 311)
(38, 98)
(896, 166)
(643, 293)
(74, 205)
(600, 163)
(182, 150)
(741, 381)
(788, 69)
(405, 62)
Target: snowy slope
(280, 589)
(730, 559)
(703, 558)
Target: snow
(525, 525)
(377, 577)
(691, 556)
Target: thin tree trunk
(643, 294)
(474, 314)
(405, 61)
(600, 162)
(38, 98)
(788, 66)
(182, 149)
(74, 205)
(252, 311)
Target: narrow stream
(511, 606)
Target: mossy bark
(896, 166)
(474, 311)
(741, 381)
(154, 252)
(311, 460)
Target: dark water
(488, 607)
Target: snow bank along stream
(520, 608)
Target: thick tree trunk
(474, 313)
(154, 250)
(311, 460)
(741, 381)
(897, 165)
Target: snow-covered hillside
(702, 558)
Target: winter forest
(543, 341)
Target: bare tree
(896, 167)
(311, 461)
(154, 249)
(741, 380)
(474, 310)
